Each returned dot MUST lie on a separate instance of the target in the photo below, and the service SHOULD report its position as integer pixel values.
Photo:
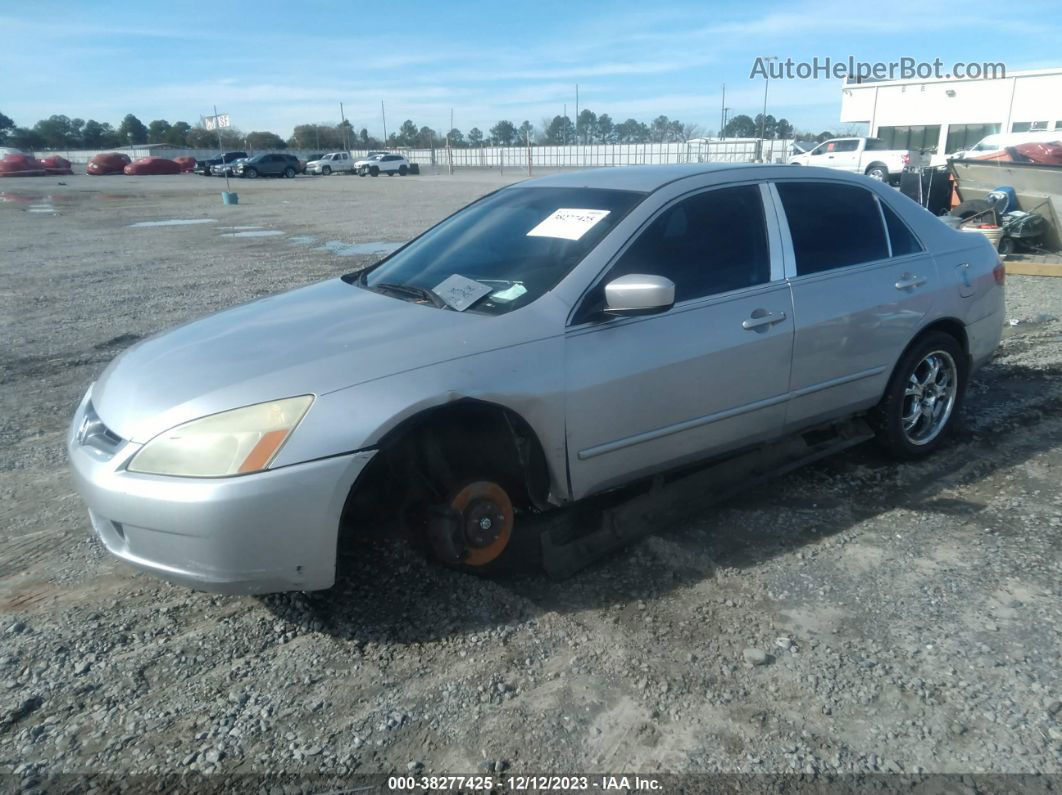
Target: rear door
(710, 374)
(862, 285)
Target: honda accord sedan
(554, 340)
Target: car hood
(316, 339)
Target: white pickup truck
(332, 163)
(868, 156)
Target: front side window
(832, 225)
(506, 249)
(710, 243)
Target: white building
(947, 115)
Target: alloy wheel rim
(929, 397)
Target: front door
(708, 375)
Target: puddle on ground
(254, 233)
(302, 240)
(343, 249)
(176, 222)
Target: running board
(565, 551)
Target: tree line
(63, 132)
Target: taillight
(999, 272)
(906, 158)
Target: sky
(272, 65)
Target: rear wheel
(879, 172)
(922, 398)
(289, 172)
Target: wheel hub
(486, 521)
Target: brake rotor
(486, 521)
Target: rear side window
(903, 242)
(832, 225)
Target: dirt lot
(911, 615)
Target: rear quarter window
(832, 225)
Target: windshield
(505, 250)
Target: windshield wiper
(412, 291)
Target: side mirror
(639, 294)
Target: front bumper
(260, 533)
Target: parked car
(994, 143)
(107, 163)
(868, 156)
(152, 166)
(204, 166)
(332, 163)
(309, 159)
(55, 165)
(226, 169)
(384, 163)
(555, 339)
(20, 164)
(186, 162)
(268, 165)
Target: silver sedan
(553, 340)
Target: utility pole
(763, 116)
(577, 113)
(726, 113)
(722, 114)
(449, 149)
(565, 141)
(343, 124)
(383, 115)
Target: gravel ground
(857, 616)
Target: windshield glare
(519, 242)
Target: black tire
(1006, 246)
(250, 173)
(887, 418)
(878, 171)
(374, 171)
(361, 172)
(390, 173)
(402, 171)
(972, 207)
(289, 172)
(326, 170)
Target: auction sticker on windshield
(460, 292)
(569, 224)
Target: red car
(20, 165)
(107, 163)
(152, 166)
(187, 163)
(53, 164)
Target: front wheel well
(431, 451)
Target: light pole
(722, 131)
(763, 116)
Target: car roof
(650, 178)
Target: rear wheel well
(948, 325)
(876, 164)
(438, 447)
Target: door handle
(908, 281)
(761, 320)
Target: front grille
(93, 433)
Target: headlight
(230, 443)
